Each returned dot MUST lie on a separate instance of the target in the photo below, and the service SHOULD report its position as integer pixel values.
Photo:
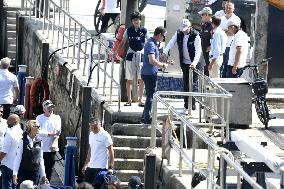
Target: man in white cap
(205, 34)
(189, 47)
(50, 128)
(20, 111)
(238, 50)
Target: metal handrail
(65, 31)
(196, 132)
(202, 96)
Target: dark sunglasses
(37, 126)
(203, 14)
(1, 111)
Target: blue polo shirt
(151, 47)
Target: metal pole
(154, 123)
(190, 87)
(181, 147)
(84, 138)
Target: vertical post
(150, 170)
(181, 147)
(190, 87)
(154, 123)
(3, 31)
(86, 109)
(70, 161)
(28, 107)
(22, 74)
(20, 39)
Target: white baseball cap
(205, 10)
(20, 109)
(27, 184)
(234, 22)
(185, 24)
(47, 104)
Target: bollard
(22, 74)
(150, 171)
(29, 81)
(70, 161)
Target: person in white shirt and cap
(50, 129)
(238, 50)
(189, 47)
(8, 152)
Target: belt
(211, 56)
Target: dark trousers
(91, 173)
(150, 82)
(223, 69)
(185, 75)
(237, 75)
(6, 110)
(105, 20)
(207, 62)
(28, 175)
(7, 178)
(49, 162)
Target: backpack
(103, 178)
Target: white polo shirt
(3, 130)
(51, 124)
(241, 39)
(19, 154)
(8, 82)
(99, 144)
(111, 6)
(10, 145)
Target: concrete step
(11, 20)
(11, 41)
(11, 27)
(129, 164)
(132, 130)
(129, 153)
(12, 8)
(11, 13)
(12, 34)
(12, 47)
(12, 54)
(134, 141)
(125, 175)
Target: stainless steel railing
(204, 98)
(65, 32)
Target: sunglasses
(1, 111)
(37, 126)
(203, 14)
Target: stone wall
(65, 84)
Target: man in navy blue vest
(189, 47)
(136, 37)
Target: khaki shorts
(215, 71)
(131, 69)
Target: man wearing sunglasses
(205, 34)
(189, 47)
(50, 129)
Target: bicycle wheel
(262, 111)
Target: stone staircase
(11, 33)
(130, 142)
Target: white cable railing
(74, 41)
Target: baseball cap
(20, 109)
(185, 24)
(234, 22)
(47, 104)
(134, 182)
(205, 10)
(27, 184)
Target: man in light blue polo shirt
(149, 70)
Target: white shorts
(131, 69)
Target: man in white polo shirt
(229, 16)
(9, 87)
(238, 50)
(50, 128)
(100, 154)
(8, 151)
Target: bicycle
(260, 89)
